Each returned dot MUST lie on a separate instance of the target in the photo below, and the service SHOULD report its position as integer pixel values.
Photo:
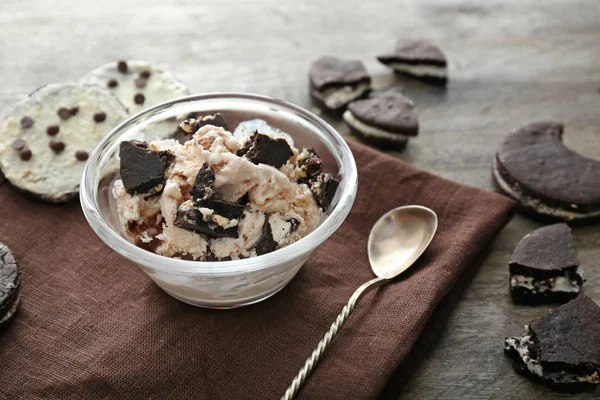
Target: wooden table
(511, 62)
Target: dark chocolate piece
(143, 170)
(139, 98)
(266, 243)
(10, 283)
(100, 116)
(112, 83)
(52, 130)
(18, 144)
(145, 74)
(74, 110)
(192, 124)
(227, 210)
(25, 154)
(192, 218)
(535, 164)
(262, 149)
(323, 189)
(561, 349)
(203, 184)
(64, 113)
(122, 66)
(308, 165)
(57, 146)
(82, 155)
(26, 122)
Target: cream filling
(370, 130)
(536, 204)
(12, 311)
(556, 284)
(337, 97)
(521, 346)
(419, 69)
(279, 227)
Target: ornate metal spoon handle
(314, 358)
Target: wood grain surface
(511, 62)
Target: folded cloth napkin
(93, 326)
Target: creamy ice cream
(219, 196)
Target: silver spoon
(396, 241)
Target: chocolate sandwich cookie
(534, 167)
(544, 267)
(47, 138)
(561, 349)
(419, 59)
(334, 82)
(138, 84)
(385, 120)
(10, 283)
(264, 149)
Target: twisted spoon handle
(312, 361)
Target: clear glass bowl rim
(308, 243)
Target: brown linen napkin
(93, 326)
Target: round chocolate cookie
(385, 120)
(138, 84)
(10, 281)
(46, 139)
(534, 167)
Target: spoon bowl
(399, 238)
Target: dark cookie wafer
(385, 120)
(143, 170)
(10, 281)
(335, 82)
(211, 217)
(419, 59)
(191, 125)
(45, 163)
(534, 167)
(561, 349)
(263, 149)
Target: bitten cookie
(544, 267)
(561, 349)
(10, 284)
(386, 120)
(137, 84)
(335, 82)
(46, 139)
(419, 59)
(534, 167)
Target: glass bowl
(218, 284)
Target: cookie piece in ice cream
(308, 165)
(210, 217)
(323, 189)
(143, 170)
(203, 187)
(263, 149)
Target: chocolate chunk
(203, 185)
(308, 164)
(143, 170)
(266, 243)
(57, 146)
(112, 83)
(100, 116)
(122, 66)
(145, 74)
(18, 144)
(140, 83)
(64, 113)
(52, 130)
(215, 220)
(10, 284)
(25, 154)
(262, 149)
(139, 98)
(82, 155)
(74, 110)
(192, 124)
(26, 122)
(323, 189)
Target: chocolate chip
(74, 110)
(139, 98)
(99, 116)
(25, 154)
(81, 155)
(57, 146)
(52, 130)
(203, 184)
(145, 74)
(112, 83)
(140, 83)
(26, 122)
(64, 113)
(18, 144)
(122, 66)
